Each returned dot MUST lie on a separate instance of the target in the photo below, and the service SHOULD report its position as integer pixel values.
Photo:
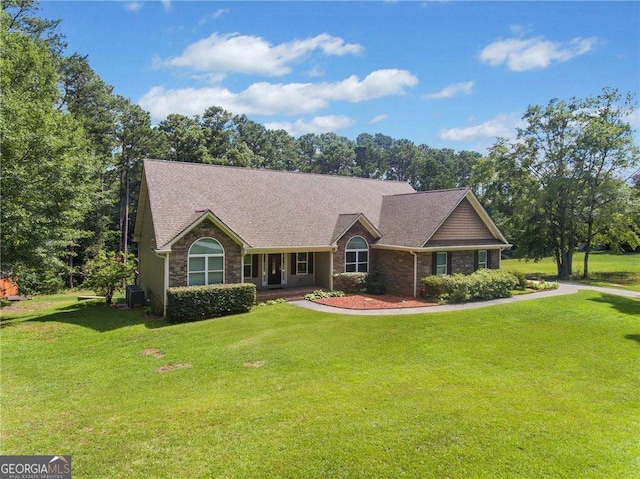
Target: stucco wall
(178, 262)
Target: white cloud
(521, 54)
(504, 125)
(253, 55)
(463, 88)
(166, 4)
(212, 16)
(277, 98)
(318, 124)
(378, 119)
(133, 6)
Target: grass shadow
(623, 304)
(97, 316)
(633, 337)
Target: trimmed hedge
(480, 286)
(350, 283)
(194, 303)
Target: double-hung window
(302, 263)
(441, 263)
(357, 255)
(482, 259)
(206, 262)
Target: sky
(447, 74)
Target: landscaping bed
(365, 301)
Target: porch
(290, 294)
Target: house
(205, 224)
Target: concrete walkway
(563, 289)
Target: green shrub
(374, 284)
(319, 294)
(350, 283)
(436, 287)
(542, 285)
(521, 277)
(480, 286)
(194, 303)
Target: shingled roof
(278, 209)
(266, 208)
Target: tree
(563, 176)
(106, 273)
(47, 166)
(605, 150)
(137, 140)
(186, 139)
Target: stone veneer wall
(178, 259)
(338, 256)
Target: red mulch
(363, 301)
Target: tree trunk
(587, 250)
(70, 270)
(125, 232)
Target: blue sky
(447, 74)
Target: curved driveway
(564, 288)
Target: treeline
(72, 152)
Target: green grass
(542, 388)
(605, 269)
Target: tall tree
(568, 160)
(605, 150)
(137, 140)
(47, 167)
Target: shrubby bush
(194, 303)
(319, 294)
(350, 283)
(480, 286)
(521, 277)
(436, 287)
(374, 284)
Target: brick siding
(178, 259)
(339, 255)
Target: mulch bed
(363, 301)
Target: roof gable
(346, 221)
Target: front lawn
(605, 269)
(542, 388)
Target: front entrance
(274, 269)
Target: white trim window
(247, 266)
(356, 255)
(482, 259)
(441, 263)
(205, 262)
(302, 263)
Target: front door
(274, 275)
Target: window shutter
(434, 263)
(254, 265)
(310, 261)
(489, 259)
(449, 268)
(294, 264)
(475, 260)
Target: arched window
(357, 255)
(206, 262)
